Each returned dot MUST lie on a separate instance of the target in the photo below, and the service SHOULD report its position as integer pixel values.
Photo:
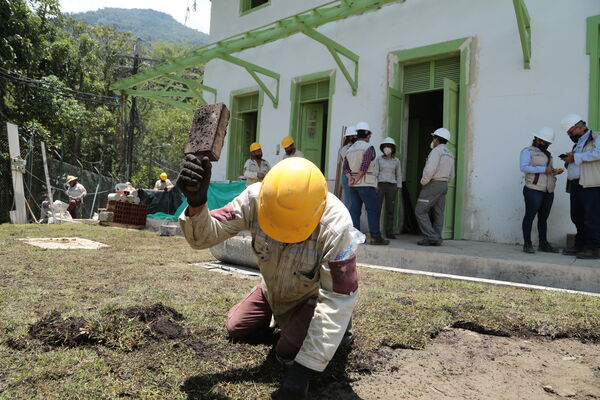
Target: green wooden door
(451, 123)
(311, 132)
(395, 121)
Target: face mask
(432, 145)
(387, 151)
(575, 138)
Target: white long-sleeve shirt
(76, 192)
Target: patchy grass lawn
(112, 347)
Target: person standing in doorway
(389, 180)
(289, 146)
(349, 139)
(255, 167)
(583, 174)
(540, 181)
(438, 171)
(76, 193)
(359, 168)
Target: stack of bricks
(128, 213)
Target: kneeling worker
(289, 146)
(305, 243)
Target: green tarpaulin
(219, 194)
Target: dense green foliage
(149, 25)
(55, 78)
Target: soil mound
(56, 330)
(150, 313)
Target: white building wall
(506, 101)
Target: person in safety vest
(540, 181)
(583, 175)
(305, 245)
(289, 146)
(255, 167)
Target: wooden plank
(20, 214)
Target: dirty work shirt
(76, 192)
(162, 185)
(322, 268)
(388, 170)
(439, 165)
(297, 153)
(252, 169)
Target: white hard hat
(443, 133)
(363, 126)
(71, 178)
(570, 121)
(350, 131)
(546, 134)
(388, 140)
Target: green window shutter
(314, 91)
(248, 103)
(430, 75)
(417, 77)
(446, 69)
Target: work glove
(194, 179)
(295, 383)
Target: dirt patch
(463, 364)
(126, 328)
(56, 330)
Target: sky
(200, 19)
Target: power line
(60, 90)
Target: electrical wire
(60, 90)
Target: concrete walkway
(486, 260)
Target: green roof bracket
(193, 85)
(254, 70)
(178, 104)
(336, 49)
(524, 24)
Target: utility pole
(133, 114)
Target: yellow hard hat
(254, 146)
(287, 142)
(163, 176)
(291, 200)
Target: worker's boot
(572, 251)
(589, 254)
(528, 248)
(547, 248)
(390, 236)
(379, 241)
(429, 242)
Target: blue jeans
(345, 192)
(536, 203)
(367, 195)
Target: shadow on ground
(333, 383)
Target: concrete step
(486, 260)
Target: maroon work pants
(72, 209)
(253, 313)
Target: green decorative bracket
(305, 22)
(524, 24)
(254, 70)
(336, 49)
(163, 97)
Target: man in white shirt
(76, 193)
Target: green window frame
(247, 6)
(593, 50)
(297, 101)
(241, 101)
